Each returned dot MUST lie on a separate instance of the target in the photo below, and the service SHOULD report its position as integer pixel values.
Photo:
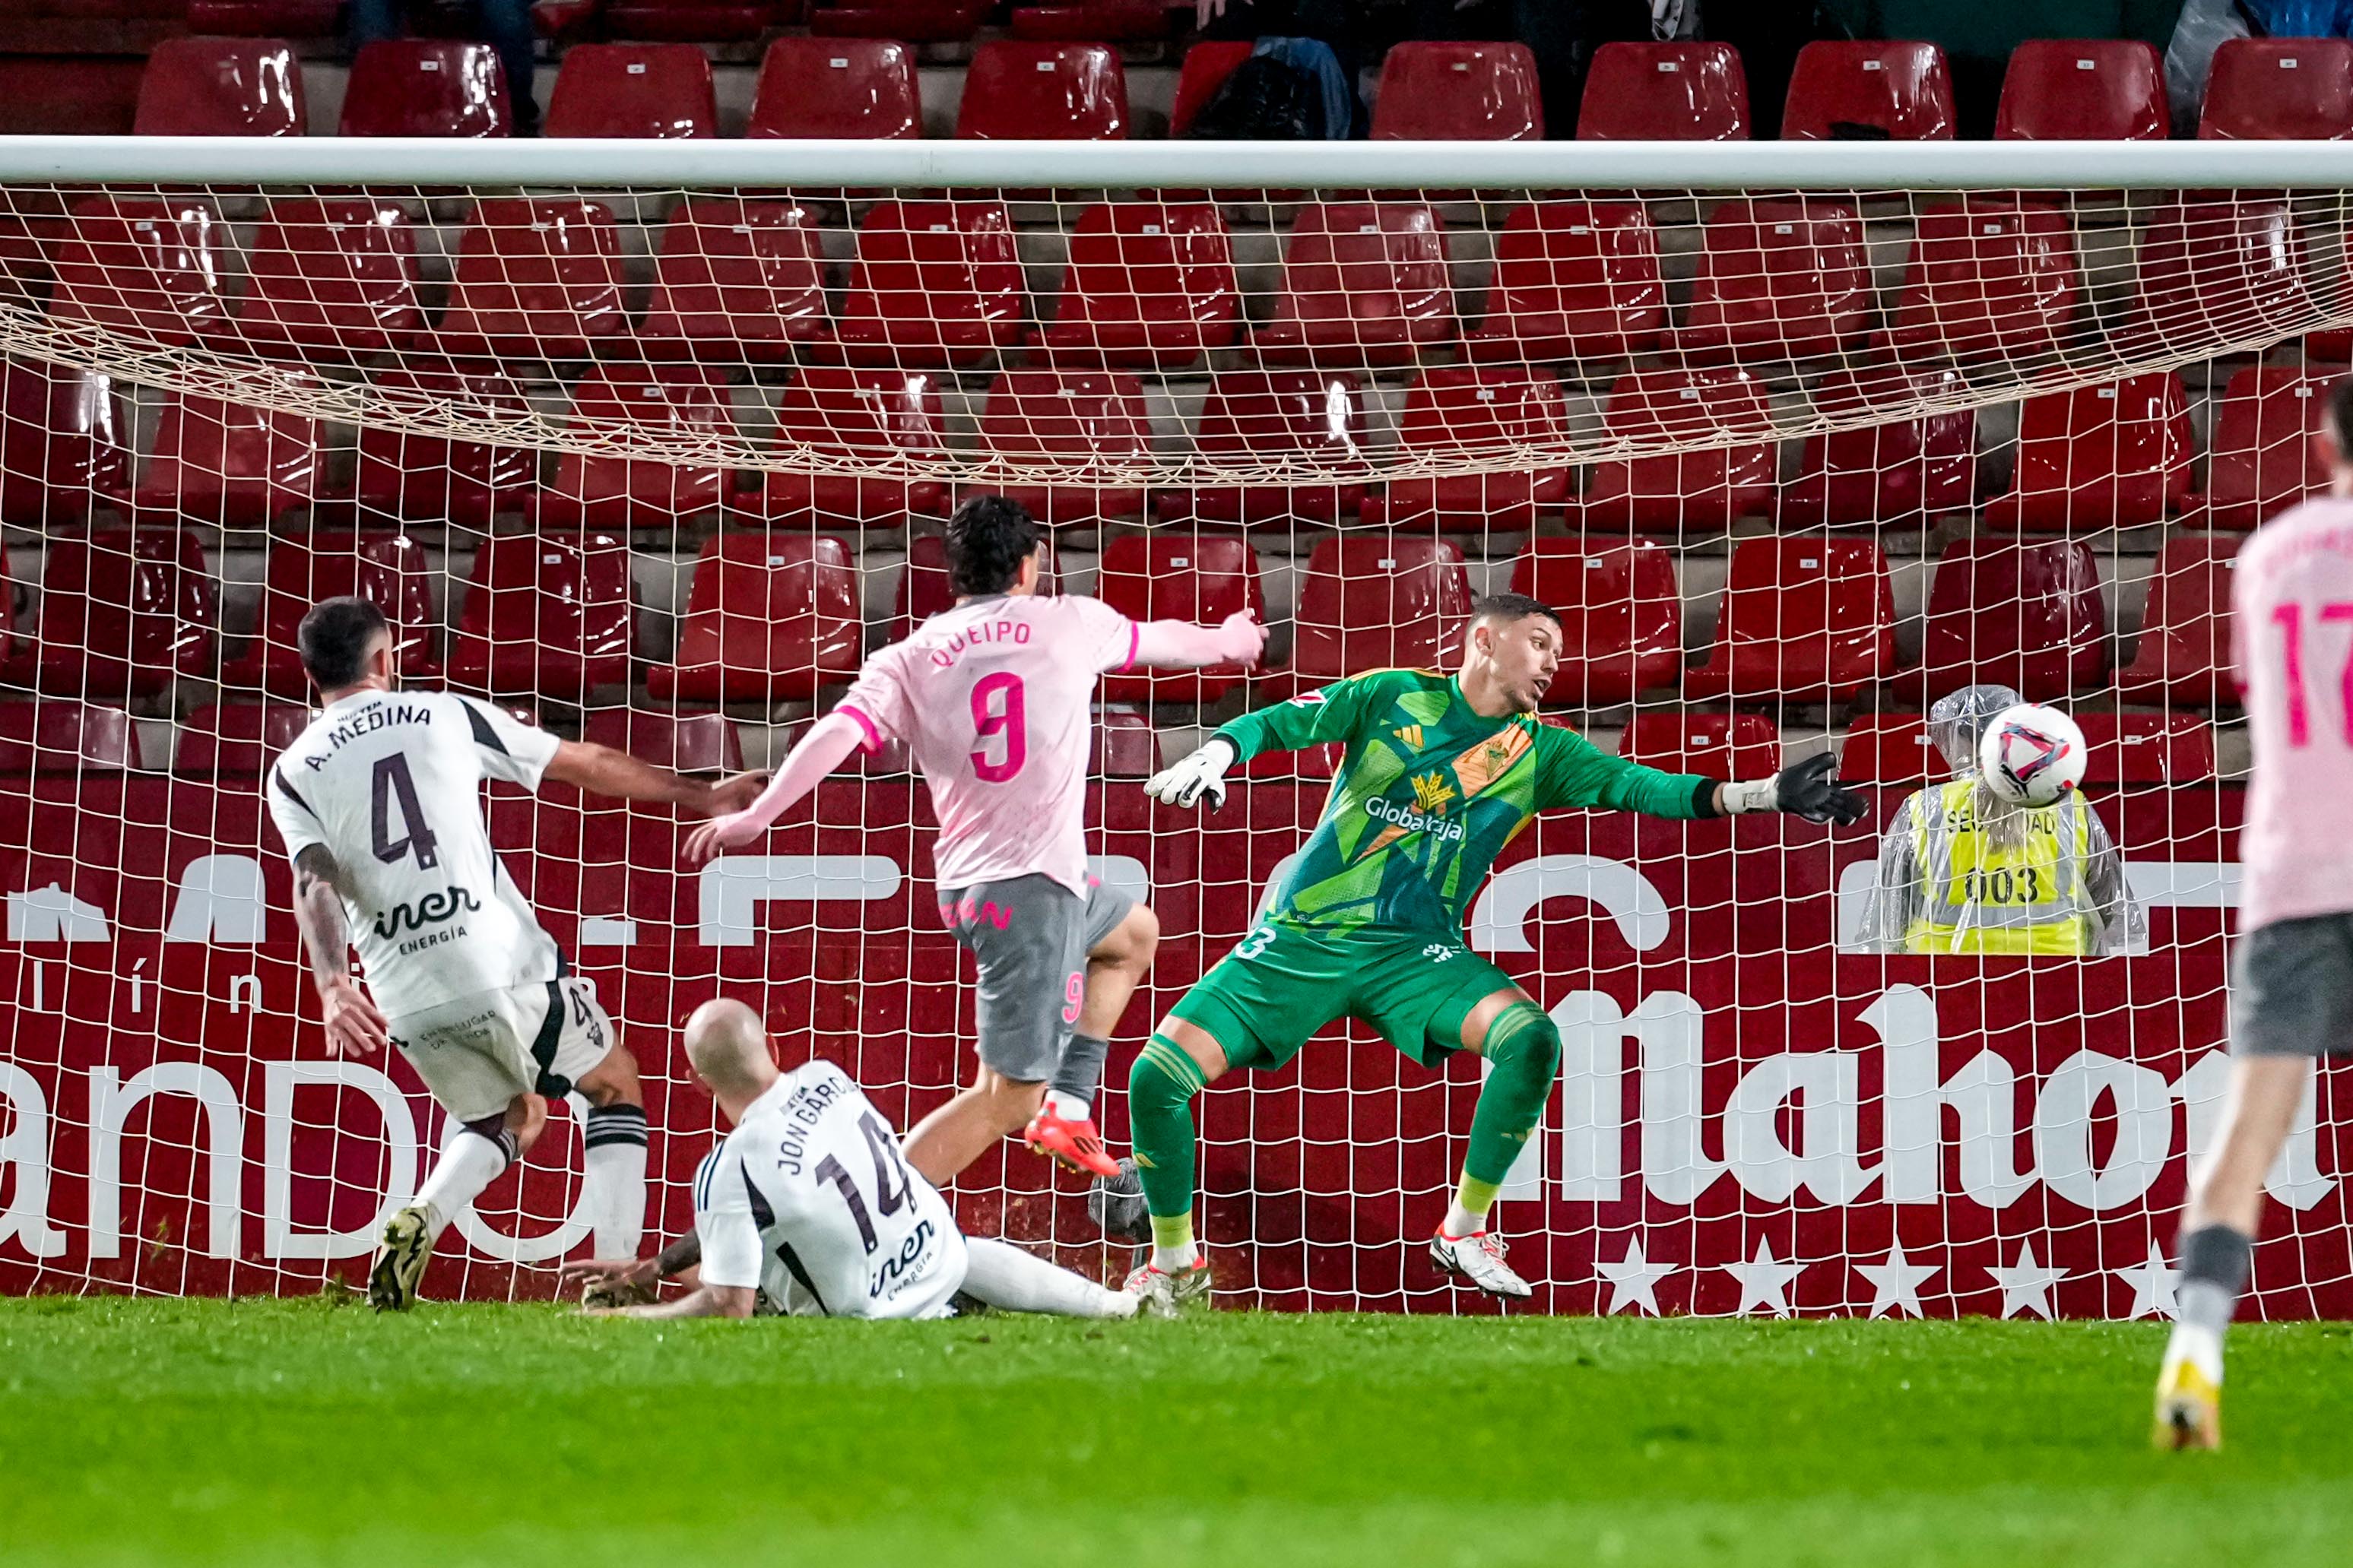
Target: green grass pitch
(310, 1432)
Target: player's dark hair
(334, 638)
(2340, 416)
(1510, 607)
(988, 538)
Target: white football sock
(1005, 1275)
(1068, 1106)
(467, 1163)
(1461, 1222)
(2202, 1347)
(614, 1191)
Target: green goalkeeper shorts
(1282, 983)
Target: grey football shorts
(1031, 936)
(2292, 988)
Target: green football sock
(1160, 1090)
(1523, 1052)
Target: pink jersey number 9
(998, 709)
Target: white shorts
(479, 1052)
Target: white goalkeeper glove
(1203, 773)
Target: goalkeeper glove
(1203, 773)
(1804, 789)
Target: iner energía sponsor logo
(429, 911)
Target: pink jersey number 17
(2289, 618)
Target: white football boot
(1479, 1258)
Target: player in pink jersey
(994, 698)
(2292, 991)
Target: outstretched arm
(601, 770)
(354, 1026)
(829, 740)
(703, 1301)
(1332, 713)
(1181, 644)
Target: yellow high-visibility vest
(2021, 892)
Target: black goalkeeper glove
(1803, 789)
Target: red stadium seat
(265, 18)
(1362, 284)
(65, 95)
(387, 569)
(1150, 285)
(1114, 21)
(57, 735)
(642, 90)
(1807, 620)
(2262, 90)
(122, 612)
(1207, 66)
(1891, 748)
(1622, 616)
(682, 741)
(2216, 271)
(2170, 749)
(857, 414)
(1702, 490)
(770, 617)
(1125, 747)
(65, 443)
(1664, 92)
(1988, 277)
(546, 615)
(1908, 471)
(936, 285)
(924, 590)
(1727, 746)
(2026, 613)
(231, 464)
(426, 87)
(332, 278)
(736, 280)
(672, 402)
(1857, 90)
(1369, 601)
(2100, 457)
(222, 87)
(536, 278)
(844, 87)
(1016, 91)
(1458, 92)
(238, 739)
(404, 478)
(1493, 413)
(2261, 457)
(1170, 574)
(691, 21)
(912, 21)
(2185, 631)
(1306, 417)
(149, 266)
(2083, 89)
(1078, 422)
(1572, 279)
(1777, 281)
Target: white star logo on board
(1633, 1280)
(2152, 1283)
(1895, 1284)
(1763, 1283)
(2026, 1285)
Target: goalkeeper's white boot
(1164, 1293)
(1479, 1258)
(400, 1260)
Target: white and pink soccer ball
(2031, 755)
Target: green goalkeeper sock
(1523, 1052)
(1160, 1090)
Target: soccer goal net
(653, 444)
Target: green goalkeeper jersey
(1430, 792)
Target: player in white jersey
(2292, 988)
(809, 1203)
(379, 804)
(993, 697)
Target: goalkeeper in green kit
(1441, 772)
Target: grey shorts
(1031, 936)
(2292, 988)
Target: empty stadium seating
(692, 21)
(1727, 746)
(387, 569)
(1375, 601)
(1126, 746)
(149, 266)
(2261, 457)
(1273, 416)
(1807, 618)
(56, 735)
(845, 87)
(1869, 91)
(633, 89)
(426, 87)
(2082, 89)
(265, 18)
(2099, 457)
(1458, 92)
(1115, 21)
(861, 415)
(222, 87)
(330, 277)
(1150, 285)
(1015, 90)
(1070, 419)
(1700, 490)
(736, 280)
(122, 612)
(536, 278)
(770, 617)
(2026, 613)
(230, 464)
(1908, 471)
(1891, 748)
(1171, 575)
(1986, 278)
(237, 739)
(2279, 90)
(935, 285)
(915, 21)
(546, 615)
(684, 741)
(400, 478)
(1364, 283)
(672, 401)
(1664, 92)
(1572, 279)
(65, 443)
(2217, 269)
(1621, 615)
(2125, 748)
(2185, 630)
(1777, 281)
(1490, 410)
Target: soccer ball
(2031, 755)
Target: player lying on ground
(992, 696)
(379, 803)
(809, 1203)
(2292, 993)
(1441, 773)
